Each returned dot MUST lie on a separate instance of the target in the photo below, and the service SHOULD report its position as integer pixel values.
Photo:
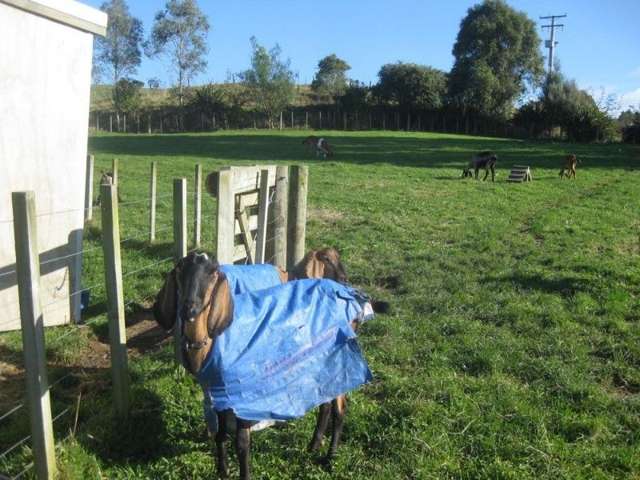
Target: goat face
(189, 281)
(323, 263)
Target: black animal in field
(486, 160)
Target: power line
(551, 43)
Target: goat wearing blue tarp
(268, 354)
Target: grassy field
(512, 349)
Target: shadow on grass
(566, 286)
(393, 147)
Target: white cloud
(630, 99)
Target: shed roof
(67, 12)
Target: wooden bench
(519, 174)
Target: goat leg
(221, 447)
(324, 412)
(243, 448)
(338, 412)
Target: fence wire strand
(137, 270)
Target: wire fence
(135, 243)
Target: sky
(598, 47)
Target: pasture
(513, 345)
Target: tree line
(498, 77)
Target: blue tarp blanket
(288, 349)
(249, 278)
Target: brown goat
(209, 306)
(569, 168)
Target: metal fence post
(32, 322)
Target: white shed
(46, 51)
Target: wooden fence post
(88, 190)
(97, 121)
(226, 217)
(292, 125)
(32, 323)
(115, 301)
(280, 215)
(110, 123)
(320, 117)
(299, 180)
(281, 121)
(149, 123)
(306, 119)
(263, 209)
(180, 245)
(180, 217)
(152, 201)
(344, 120)
(114, 171)
(197, 206)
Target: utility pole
(551, 43)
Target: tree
(331, 79)
(180, 32)
(497, 57)
(631, 126)
(126, 95)
(270, 81)
(356, 96)
(562, 104)
(153, 83)
(118, 53)
(411, 86)
(208, 99)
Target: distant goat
(569, 168)
(486, 160)
(319, 145)
(106, 179)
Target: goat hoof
(327, 463)
(314, 446)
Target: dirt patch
(325, 215)
(143, 335)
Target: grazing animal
(569, 168)
(106, 179)
(201, 295)
(318, 145)
(486, 160)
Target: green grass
(513, 346)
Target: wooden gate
(254, 207)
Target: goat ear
(221, 306)
(165, 308)
(314, 266)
